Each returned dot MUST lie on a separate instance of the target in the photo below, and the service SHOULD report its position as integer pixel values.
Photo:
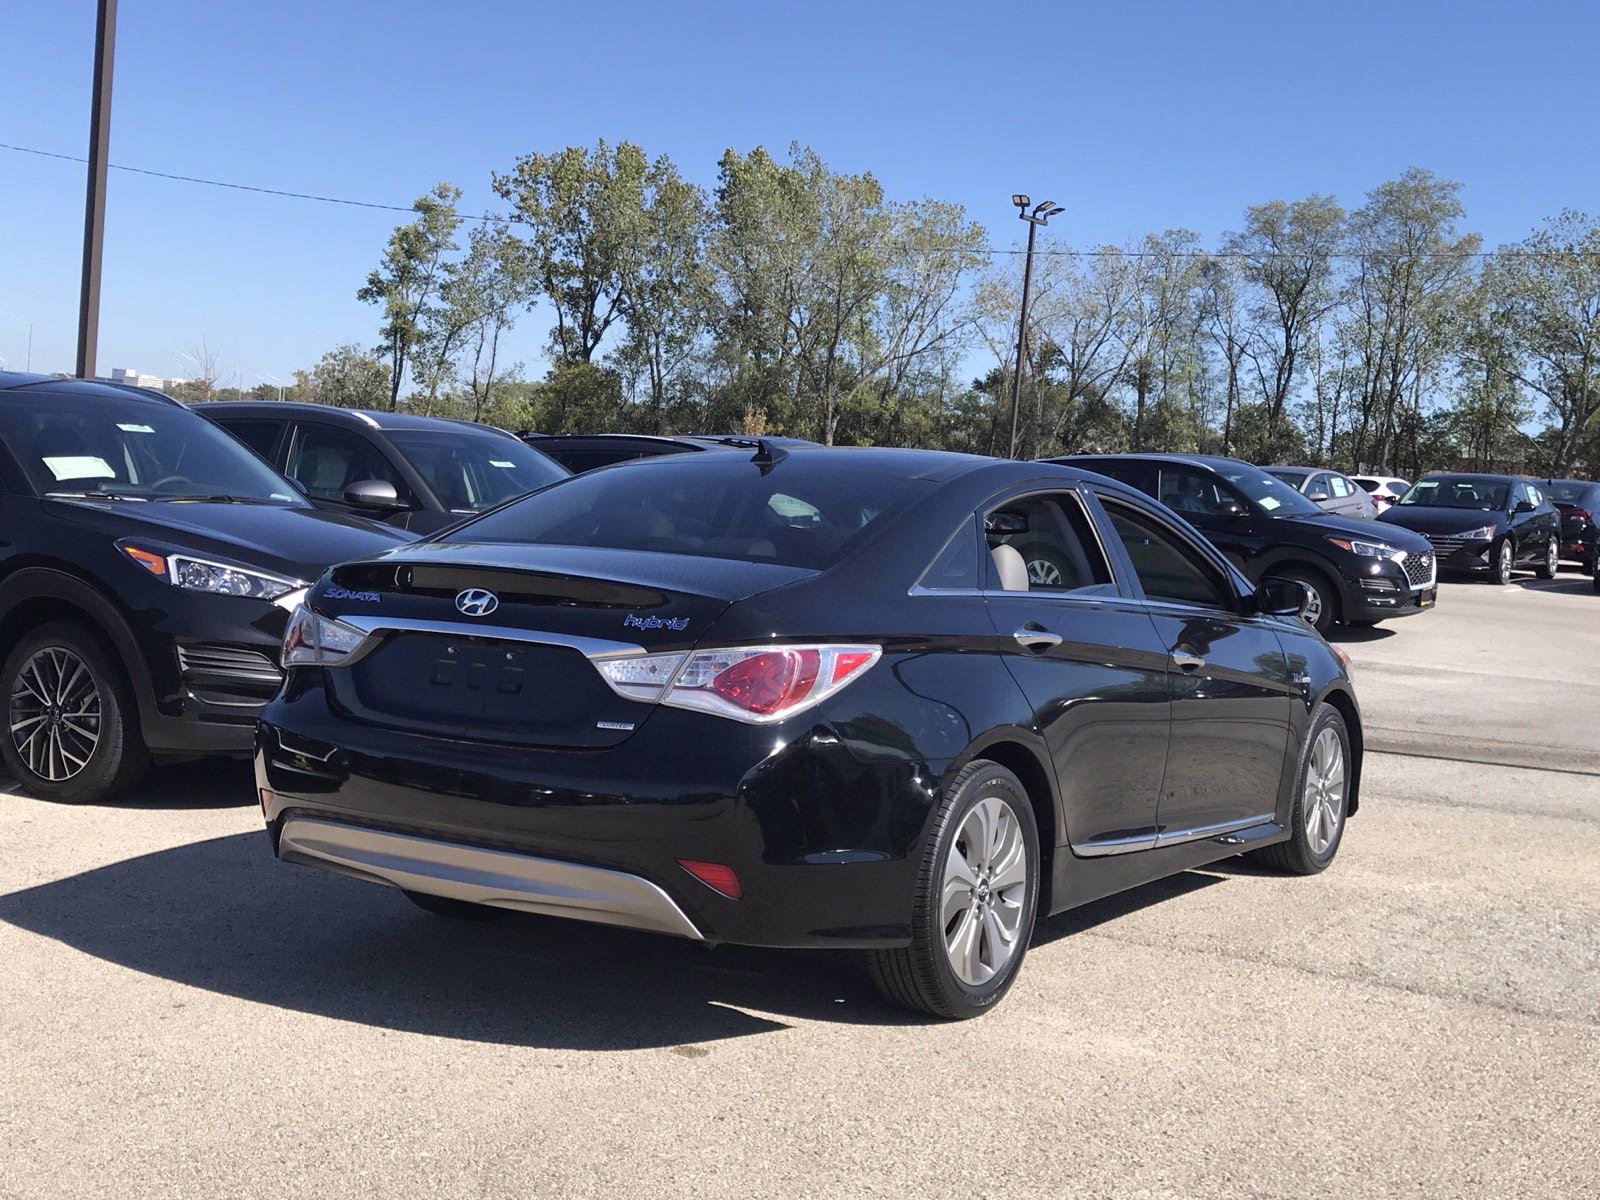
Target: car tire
(1321, 799)
(62, 683)
(1324, 613)
(969, 927)
(1591, 563)
(1505, 558)
(1551, 563)
(446, 906)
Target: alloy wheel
(1322, 800)
(984, 892)
(1503, 563)
(1552, 559)
(1312, 614)
(55, 714)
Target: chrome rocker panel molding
(496, 878)
(1176, 837)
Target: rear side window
(956, 568)
(260, 436)
(1368, 485)
(808, 511)
(1167, 567)
(1051, 536)
(1341, 486)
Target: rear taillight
(1581, 514)
(748, 683)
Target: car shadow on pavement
(224, 916)
(1099, 912)
(1570, 584)
(207, 783)
(1360, 633)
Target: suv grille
(1419, 569)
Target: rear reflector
(719, 877)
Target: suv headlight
(313, 640)
(203, 575)
(1366, 549)
(1483, 534)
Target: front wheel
(976, 896)
(1552, 561)
(1500, 572)
(72, 735)
(1322, 794)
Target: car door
(1348, 500)
(1315, 489)
(1525, 530)
(1088, 658)
(326, 459)
(1544, 520)
(1232, 689)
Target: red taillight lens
(719, 877)
(769, 682)
(1581, 513)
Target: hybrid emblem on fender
(476, 602)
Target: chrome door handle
(1186, 661)
(1037, 639)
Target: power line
(1046, 252)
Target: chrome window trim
(1160, 841)
(374, 626)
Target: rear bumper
(824, 832)
(493, 877)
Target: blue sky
(1135, 116)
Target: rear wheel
(71, 733)
(976, 895)
(1322, 794)
(1552, 561)
(461, 910)
(1504, 556)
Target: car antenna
(767, 455)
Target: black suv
(420, 473)
(1578, 501)
(147, 569)
(1356, 572)
(580, 452)
(1482, 524)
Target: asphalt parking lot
(179, 1016)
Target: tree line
(796, 299)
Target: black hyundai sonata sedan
(808, 699)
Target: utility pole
(1040, 215)
(94, 208)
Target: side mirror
(1318, 496)
(1523, 506)
(1230, 508)
(372, 493)
(1283, 597)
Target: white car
(1385, 489)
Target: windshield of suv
(1268, 493)
(471, 470)
(128, 448)
(806, 512)
(1454, 492)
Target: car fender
(1037, 772)
(49, 583)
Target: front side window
(471, 470)
(327, 461)
(1050, 536)
(1196, 493)
(83, 444)
(1168, 569)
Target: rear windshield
(808, 511)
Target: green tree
(405, 284)
(347, 377)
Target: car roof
(370, 418)
(698, 441)
(18, 385)
(918, 464)
(1302, 470)
(1210, 462)
(1484, 475)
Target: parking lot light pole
(1041, 214)
(94, 209)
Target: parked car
(1384, 489)
(580, 452)
(1329, 491)
(147, 570)
(1482, 524)
(1355, 573)
(873, 767)
(1578, 502)
(420, 473)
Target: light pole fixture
(1039, 215)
